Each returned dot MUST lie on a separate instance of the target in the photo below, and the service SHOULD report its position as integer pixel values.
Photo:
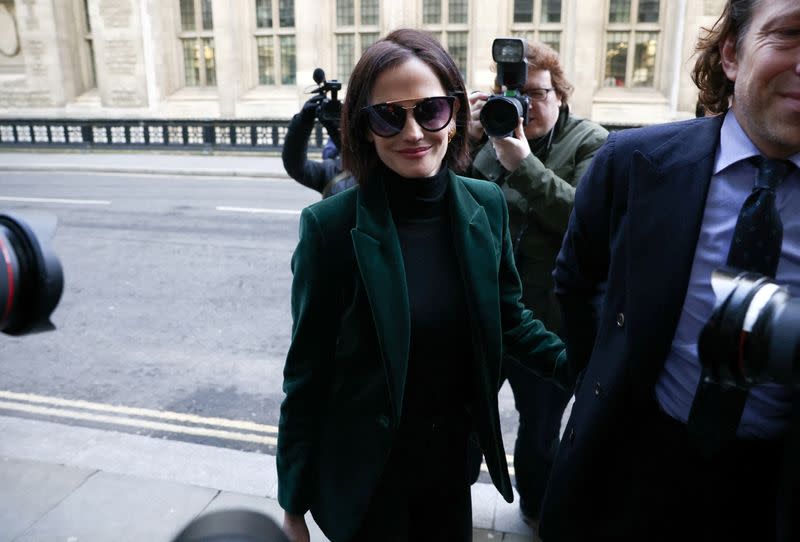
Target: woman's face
(414, 152)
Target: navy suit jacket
(633, 232)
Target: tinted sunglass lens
(386, 120)
(434, 113)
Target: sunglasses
(432, 114)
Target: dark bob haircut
(715, 87)
(358, 153)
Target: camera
(329, 110)
(31, 279)
(753, 333)
(501, 112)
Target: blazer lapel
(668, 190)
(380, 261)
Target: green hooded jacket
(540, 194)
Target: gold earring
(451, 134)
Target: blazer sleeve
(582, 264)
(310, 353)
(525, 337)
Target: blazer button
(384, 421)
(598, 389)
(620, 319)
(571, 435)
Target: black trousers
(424, 492)
(661, 488)
(540, 404)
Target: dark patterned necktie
(756, 246)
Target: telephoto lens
(753, 334)
(31, 279)
(235, 525)
(500, 115)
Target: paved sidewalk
(145, 163)
(76, 484)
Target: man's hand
(511, 150)
(295, 527)
(309, 111)
(476, 101)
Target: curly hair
(544, 57)
(358, 153)
(715, 87)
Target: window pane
(551, 11)
(523, 11)
(345, 13)
(616, 59)
(208, 23)
(369, 11)
(191, 62)
(211, 65)
(266, 65)
(553, 39)
(457, 11)
(367, 39)
(264, 13)
(344, 56)
(457, 47)
(648, 11)
(431, 11)
(286, 13)
(619, 11)
(288, 60)
(644, 59)
(187, 15)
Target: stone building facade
(628, 59)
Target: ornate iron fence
(163, 134)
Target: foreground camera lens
(31, 280)
(236, 525)
(753, 334)
(500, 116)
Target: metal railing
(161, 134)
(156, 134)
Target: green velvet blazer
(345, 370)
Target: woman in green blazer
(405, 299)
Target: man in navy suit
(653, 217)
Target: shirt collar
(735, 146)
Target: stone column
(46, 75)
(228, 54)
(121, 74)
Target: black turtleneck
(437, 380)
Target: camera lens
(500, 115)
(753, 333)
(31, 280)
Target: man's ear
(727, 53)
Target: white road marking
(257, 210)
(112, 414)
(141, 412)
(146, 424)
(57, 200)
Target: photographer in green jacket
(538, 168)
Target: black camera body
(329, 110)
(753, 333)
(501, 112)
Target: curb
(72, 168)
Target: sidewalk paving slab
(78, 484)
